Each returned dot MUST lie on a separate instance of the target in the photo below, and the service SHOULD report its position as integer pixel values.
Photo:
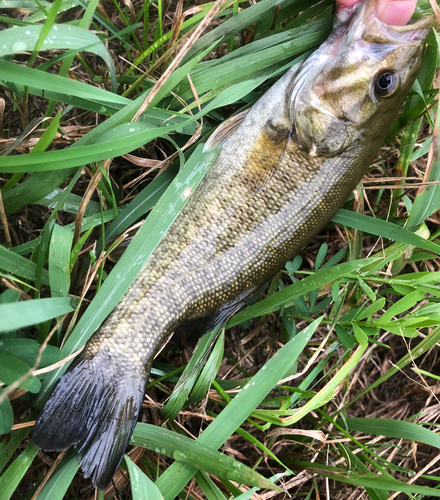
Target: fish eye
(386, 83)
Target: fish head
(351, 89)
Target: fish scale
(284, 169)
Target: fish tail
(94, 407)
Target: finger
(396, 13)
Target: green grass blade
(286, 296)
(6, 416)
(427, 200)
(10, 444)
(209, 488)
(60, 36)
(58, 484)
(20, 266)
(12, 368)
(239, 409)
(383, 228)
(59, 261)
(427, 343)
(189, 377)
(142, 487)
(203, 457)
(256, 13)
(15, 472)
(369, 480)
(395, 429)
(32, 312)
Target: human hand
(394, 12)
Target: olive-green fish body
(283, 171)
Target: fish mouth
(416, 30)
(362, 19)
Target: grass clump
(326, 386)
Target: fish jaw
(334, 103)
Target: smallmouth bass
(284, 169)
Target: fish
(283, 170)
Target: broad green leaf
(401, 306)
(27, 351)
(12, 368)
(367, 312)
(6, 416)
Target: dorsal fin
(222, 132)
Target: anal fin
(188, 333)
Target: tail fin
(94, 407)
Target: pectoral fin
(268, 152)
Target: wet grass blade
(32, 312)
(192, 452)
(286, 296)
(141, 486)
(189, 377)
(395, 429)
(383, 228)
(58, 484)
(20, 266)
(15, 472)
(59, 261)
(60, 36)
